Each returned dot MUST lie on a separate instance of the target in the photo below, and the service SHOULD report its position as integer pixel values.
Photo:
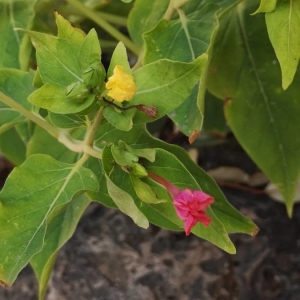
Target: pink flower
(189, 205)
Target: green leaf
(43, 142)
(67, 121)
(185, 38)
(144, 16)
(57, 58)
(119, 57)
(67, 31)
(14, 14)
(144, 191)
(126, 204)
(53, 97)
(61, 225)
(187, 116)
(122, 120)
(17, 85)
(12, 146)
(283, 28)
(263, 117)
(24, 211)
(214, 119)
(266, 6)
(165, 84)
(90, 53)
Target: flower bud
(94, 76)
(77, 91)
(138, 170)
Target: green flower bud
(94, 76)
(77, 91)
(138, 170)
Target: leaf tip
(254, 232)
(289, 209)
(194, 135)
(5, 285)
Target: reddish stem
(172, 189)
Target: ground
(109, 258)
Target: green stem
(139, 62)
(114, 19)
(173, 6)
(105, 25)
(29, 115)
(89, 140)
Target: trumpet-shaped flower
(121, 86)
(189, 205)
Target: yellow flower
(121, 85)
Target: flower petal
(203, 218)
(182, 212)
(121, 85)
(188, 224)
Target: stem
(139, 62)
(114, 19)
(171, 188)
(105, 25)
(89, 140)
(173, 6)
(92, 152)
(29, 115)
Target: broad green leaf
(185, 38)
(214, 119)
(187, 116)
(61, 225)
(90, 52)
(140, 138)
(67, 31)
(126, 204)
(122, 120)
(266, 6)
(119, 57)
(57, 58)
(165, 84)
(67, 121)
(283, 28)
(53, 97)
(14, 14)
(263, 117)
(12, 146)
(43, 142)
(144, 16)
(144, 191)
(24, 211)
(16, 85)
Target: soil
(109, 258)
